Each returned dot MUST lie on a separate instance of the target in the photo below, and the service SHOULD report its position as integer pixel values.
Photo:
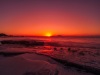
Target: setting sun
(48, 34)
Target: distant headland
(2, 34)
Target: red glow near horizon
(57, 17)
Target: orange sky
(40, 17)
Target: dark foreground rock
(8, 54)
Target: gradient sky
(58, 17)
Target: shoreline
(87, 69)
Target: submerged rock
(23, 42)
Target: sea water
(92, 42)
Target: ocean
(88, 42)
(80, 51)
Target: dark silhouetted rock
(2, 34)
(69, 49)
(55, 49)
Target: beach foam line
(89, 69)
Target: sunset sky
(56, 17)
